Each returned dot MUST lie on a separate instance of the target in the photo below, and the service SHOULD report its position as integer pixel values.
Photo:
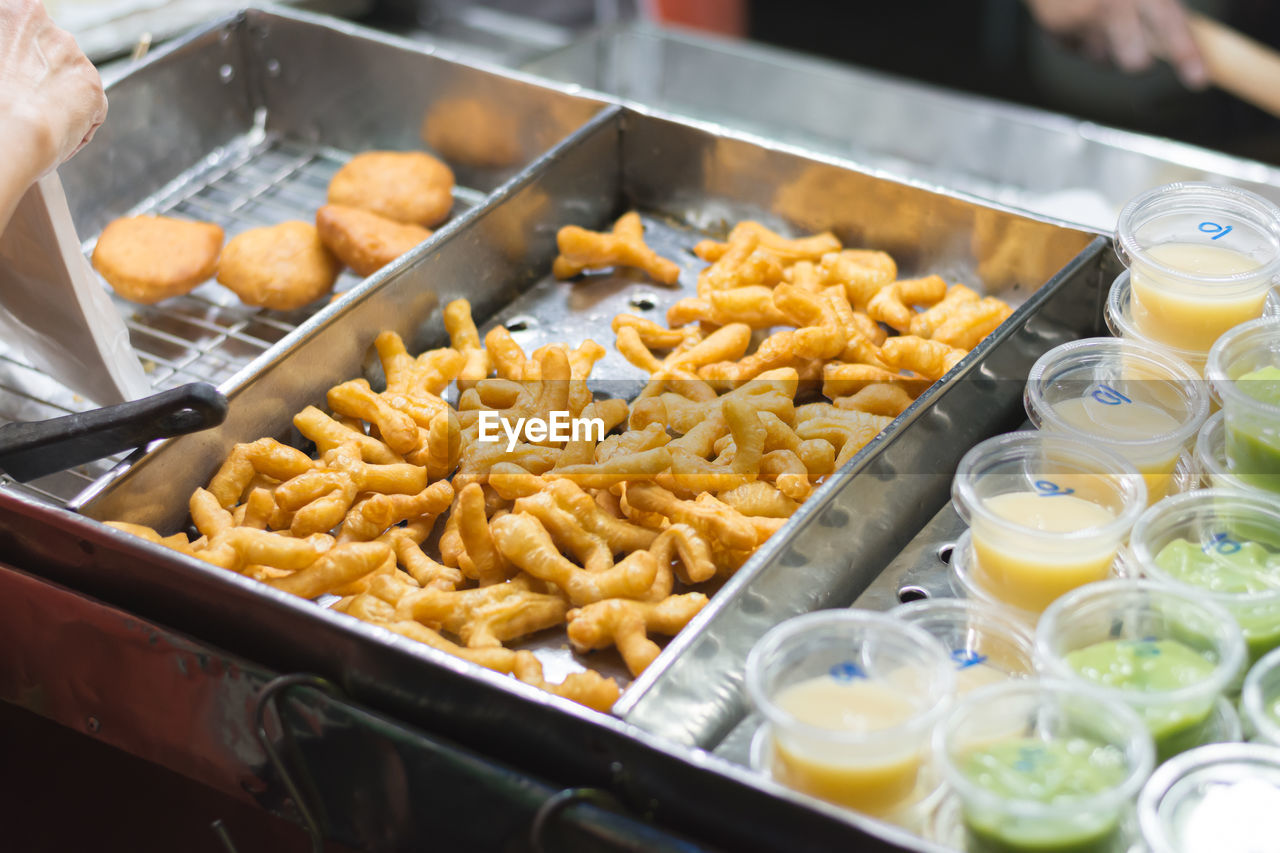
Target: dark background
(994, 48)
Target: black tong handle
(31, 450)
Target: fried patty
(150, 258)
(282, 267)
(406, 186)
(365, 241)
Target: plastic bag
(53, 309)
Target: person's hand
(1131, 32)
(51, 98)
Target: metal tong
(32, 450)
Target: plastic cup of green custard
(1224, 545)
(1164, 651)
(1244, 370)
(1044, 767)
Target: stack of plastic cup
(1244, 369)
(1223, 546)
(1119, 317)
(1201, 260)
(850, 698)
(1133, 399)
(1165, 652)
(1046, 514)
(1223, 798)
(1042, 765)
(986, 644)
(1260, 700)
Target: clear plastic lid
(976, 634)
(850, 646)
(1248, 348)
(1217, 524)
(1198, 214)
(1048, 466)
(1139, 401)
(1044, 712)
(1223, 545)
(1141, 611)
(1211, 458)
(967, 582)
(1119, 316)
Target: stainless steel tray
(243, 124)
(687, 178)
(1031, 159)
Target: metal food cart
(242, 123)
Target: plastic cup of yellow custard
(1119, 316)
(987, 645)
(1046, 513)
(851, 698)
(1244, 370)
(1202, 259)
(1044, 767)
(1164, 651)
(1140, 402)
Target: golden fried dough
(587, 532)
(623, 246)
(407, 186)
(365, 241)
(282, 267)
(150, 258)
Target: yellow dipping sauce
(1030, 572)
(875, 781)
(1129, 420)
(1187, 315)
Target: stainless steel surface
(1047, 163)
(473, 31)
(243, 125)
(922, 570)
(114, 27)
